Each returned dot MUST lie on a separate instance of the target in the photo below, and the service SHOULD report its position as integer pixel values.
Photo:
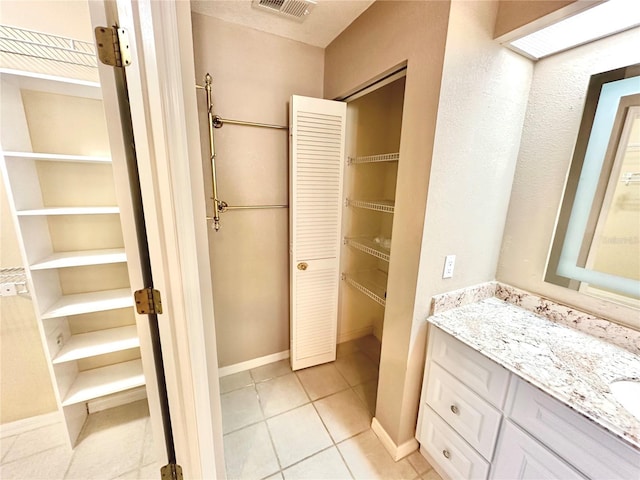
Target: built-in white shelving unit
(67, 219)
(81, 258)
(99, 382)
(85, 345)
(91, 302)
(69, 211)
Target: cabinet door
(317, 129)
(519, 456)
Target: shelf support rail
(217, 204)
(215, 121)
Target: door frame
(162, 98)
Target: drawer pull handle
(455, 409)
(446, 454)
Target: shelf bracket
(171, 472)
(148, 302)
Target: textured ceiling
(327, 20)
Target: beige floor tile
(367, 392)
(277, 476)
(119, 431)
(281, 394)
(356, 368)
(36, 441)
(431, 475)
(343, 414)
(272, 370)
(239, 409)
(248, 453)
(370, 346)
(367, 458)
(347, 348)
(5, 445)
(131, 475)
(418, 462)
(150, 451)
(298, 434)
(235, 381)
(327, 464)
(150, 472)
(49, 464)
(322, 380)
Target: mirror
(596, 247)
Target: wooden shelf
(370, 246)
(68, 211)
(54, 157)
(384, 157)
(91, 344)
(373, 283)
(81, 258)
(102, 381)
(90, 302)
(386, 206)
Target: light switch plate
(449, 263)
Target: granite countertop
(571, 366)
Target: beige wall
(553, 117)
(513, 14)
(384, 36)
(25, 384)
(254, 75)
(68, 18)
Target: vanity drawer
(484, 376)
(582, 443)
(519, 456)
(451, 453)
(467, 413)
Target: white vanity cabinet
(461, 408)
(478, 420)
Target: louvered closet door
(315, 198)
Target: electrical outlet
(8, 289)
(449, 263)
(59, 339)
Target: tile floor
(114, 444)
(311, 424)
(277, 424)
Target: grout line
(266, 425)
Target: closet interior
(374, 123)
(58, 174)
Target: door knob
(303, 265)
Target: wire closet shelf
(29, 43)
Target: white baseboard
(253, 363)
(31, 423)
(116, 399)
(353, 334)
(398, 452)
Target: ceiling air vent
(293, 9)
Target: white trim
(117, 399)
(253, 363)
(30, 423)
(398, 452)
(353, 334)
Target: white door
(317, 129)
(161, 179)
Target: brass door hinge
(113, 46)
(171, 472)
(148, 301)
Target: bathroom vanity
(510, 394)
